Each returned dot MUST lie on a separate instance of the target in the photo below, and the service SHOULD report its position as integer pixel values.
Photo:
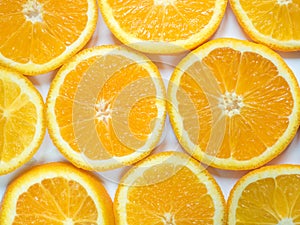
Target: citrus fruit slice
(106, 108)
(37, 36)
(22, 122)
(269, 195)
(163, 26)
(274, 23)
(234, 104)
(169, 188)
(56, 193)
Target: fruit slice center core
(168, 219)
(286, 221)
(5, 113)
(103, 111)
(68, 221)
(231, 103)
(164, 2)
(284, 2)
(32, 10)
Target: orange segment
(168, 188)
(43, 34)
(100, 114)
(274, 23)
(158, 26)
(276, 197)
(241, 105)
(22, 124)
(56, 193)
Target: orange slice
(37, 36)
(234, 104)
(56, 193)
(268, 195)
(22, 122)
(106, 108)
(169, 188)
(274, 23)
(163, 26)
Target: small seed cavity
(164, 2)
(231, 103)
(103, 111)
(32, 10)
(168, 219)
(284, 2)
(286, 221)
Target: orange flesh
(274, 200)
(62, 23)
(263, 15)
(266, 97)
(174, 197)
(171, 22)
(140, 117)
(18, 118)
(53, 201)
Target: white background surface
(226, 179)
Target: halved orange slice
(234, 104)
(274, 23)
(56, 193)
(106, 108)
(169, 188)
(163, 26)
(22, 120)
(269, 195)
(37, 36)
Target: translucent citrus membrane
(18, 119)
(278, 19)
(275, 202)
(54, 201)
(160, 17)
(113, 111)
(232, 104)
(38, 31)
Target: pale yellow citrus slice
(58, 194)
(163, 26)
(274, 23)
(234, 104)
(269, 195)
(106, 108)
(22, 122)
(37, 36)
(169, 188)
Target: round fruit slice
(234, 104)
(163, 26)
(106, 108)
(269, 195)
(37, 36)
(56, 193)
(169, 188)
(274, 23)
(22, 122)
